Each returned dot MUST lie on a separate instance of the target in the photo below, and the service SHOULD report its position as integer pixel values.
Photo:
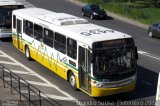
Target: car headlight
(95, 13)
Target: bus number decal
(63, 60)
(96, 31)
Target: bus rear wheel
(72, 81)
(27, 53)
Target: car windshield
(95, 8)
(113, 60)
(156, 25)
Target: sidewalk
(7, 98)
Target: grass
(153, 15)
(138, 11)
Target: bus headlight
(98, 84)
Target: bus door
(19, 33)
(84, 69)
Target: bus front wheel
(27, 53)
(72, 81)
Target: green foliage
(152, 14)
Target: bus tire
(27, 53)
(72, 81)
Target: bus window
(71, 48)
(14, 21)
(28, 26)
(6, 15)
(48, 37)
(60, 43)
(19, 26)
(38, 31)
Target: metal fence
(33, 95)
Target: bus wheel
(72, 81)
(27, 53)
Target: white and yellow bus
(6, 8)
(97, 60)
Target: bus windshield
(114, 58)
(6, 15)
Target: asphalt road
(148, 63)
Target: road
(148, 63)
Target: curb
(115, 16)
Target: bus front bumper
(98, 92)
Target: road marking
(149, 55)
(49, 95)
(58, 97)
(40, 77)
(22, 72)
(10, 63)
(3, 55)
(41, 84)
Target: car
(94, 12)
(154, 30)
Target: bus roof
(71, 26)
(33, 12)
(9, 2)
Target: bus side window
(48, 37)
(28, 28)
(38, 31)
(24, 26)
(14, 21)
(60, 43)
(71, 48)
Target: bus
(6, 8)
(97, 60)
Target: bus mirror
(136, 53)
